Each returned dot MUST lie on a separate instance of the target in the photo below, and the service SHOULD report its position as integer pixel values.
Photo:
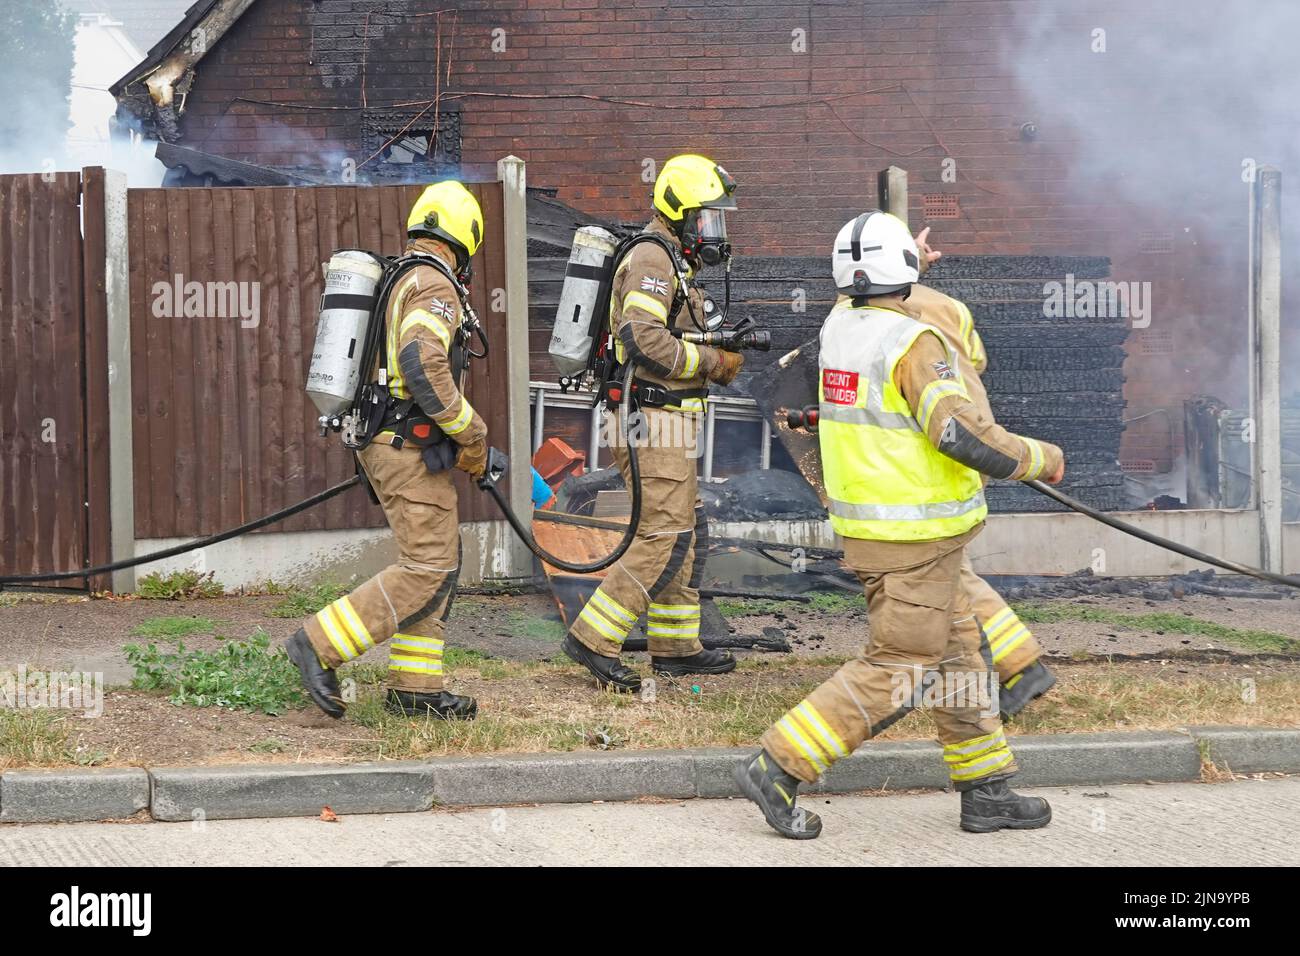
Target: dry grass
(547, 707)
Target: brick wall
(802, 102)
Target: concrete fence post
(117, 291)
(511, 173)
(1266, 359)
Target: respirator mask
(704, 236)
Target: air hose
(489, 484)
(194, 545)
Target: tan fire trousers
(1012, 645)
(925, 649)
(407, 603)
(660, 574)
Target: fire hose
(496, 469)
(808, 418)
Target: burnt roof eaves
(164, 47)
(230, 172)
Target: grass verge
(1161, 623)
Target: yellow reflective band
(1035, 458)
(692, 360)
(967, 329)
(674, 610)
(593, 618)
(814, 721)
(461, 421)
(416, 646)
(356, 629)
(613, 609)
(1013, 682)
(956, 753)
(936, 390)
(796, 737)
(429, 321)
(690, 405)
(639, 300)
(984, 767)
(999, 622)
(334, 632)
(1010, 643)
(686, 631)
(781, 790)
(415, 665)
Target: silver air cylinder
(351, 288)
(586, 278)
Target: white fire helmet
(874, 254)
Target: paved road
(1242, 823)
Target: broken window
(406, 141)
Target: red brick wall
(804, 132)
(587, 91)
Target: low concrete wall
(309, 557)
(1059, 543)
(1010, 544)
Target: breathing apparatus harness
(374, 408)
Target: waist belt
(649, 395)
(407, 425)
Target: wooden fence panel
(224, 432)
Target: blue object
(541, 490)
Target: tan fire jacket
(423, 315)
(641, 303)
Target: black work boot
(1022, 689)
(439, 703)
(762, 780)
(992, 805)
(705, 662)
(609, 671)
(321, 683)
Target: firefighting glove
(729, 364)
(473, 458)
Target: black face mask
(704, 236)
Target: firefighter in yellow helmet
(427, 429)
(1014, 650)
(653, 293)
(903, 449)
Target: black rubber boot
(1024, 688)
(993, 805)
(321, 683)
(705, 662)
(440, 703)
(762, 780)
(609, 671)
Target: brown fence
(53, 516)
(223, 429)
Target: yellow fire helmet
(692, 182)
(448, 211)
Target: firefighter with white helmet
(653, 293)
(903, 452)
(1016, 653)
(427, 429)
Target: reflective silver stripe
(923, 512)
(849, 415)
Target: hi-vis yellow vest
(884, 479)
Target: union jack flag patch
(442, 310)
(944, 370)
(654, 286)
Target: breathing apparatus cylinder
(352, 281)
(587, 280)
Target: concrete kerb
(281, 790)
